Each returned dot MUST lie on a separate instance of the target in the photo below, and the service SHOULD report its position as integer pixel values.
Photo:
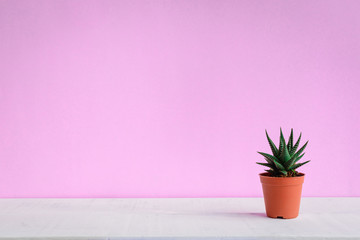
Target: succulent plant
(284, 160)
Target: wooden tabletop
(175, 218)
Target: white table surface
(175, 218)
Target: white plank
(172, 218)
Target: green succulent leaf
(298, 158)
(292, 161)
(299, 165)
(269, 157)
(291, 141)
(301, 149)
(274, 160)
(279, 166)
(274, 149)
(281, 144)
(284, 155)
(293, 150)
(289, 163)
(266, 165)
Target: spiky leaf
(274, 160)
(274, 149)
(292, 161)
(279, 166)
(271, 162)
(281, 144)
(299, 165)
(301, 149)
(284, 155)
(268, 156)
(266, 165)
(298, 158)
(293, 150)
(290, 142)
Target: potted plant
(281, 183)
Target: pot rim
(281, 181)
(265, 175)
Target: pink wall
(171, 98)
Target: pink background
(171, 98)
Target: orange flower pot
(282, 195)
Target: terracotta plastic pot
(282, 195)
